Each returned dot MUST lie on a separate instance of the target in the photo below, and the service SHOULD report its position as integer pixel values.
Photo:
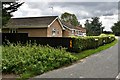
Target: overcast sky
(107, 11)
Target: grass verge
(89, 52)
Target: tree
(94, 27)
(7, 9)
(88, 27)
(107, 32)
(69, 18)
(116, 28)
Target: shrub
(20, 59)
(90, 42)
(33, 59)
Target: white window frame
(53, 32)
(72, 31)
(13, 30)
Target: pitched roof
(81, 29)
(71, 27)
(66, 25)
(31, 22)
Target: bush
(90, 42)
(20, 59)
(33, 59)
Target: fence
(72, 44)
(14, 37)
(23, 38)
(51, 41)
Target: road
(101, 65)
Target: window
(53, 32)
(72, 31)
(10, 31)
(13, 30)
(57, 31)
(76, 32)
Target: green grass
(89, 52)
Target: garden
(31, 59)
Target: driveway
(101, 65)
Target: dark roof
(81, 29)
(31, 22)
(68, 25)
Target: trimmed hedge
(90, 42)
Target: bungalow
(80, 31)
(47, 26)
(71, 30)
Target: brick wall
(34, 32)
(58, 30)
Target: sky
(107, 11)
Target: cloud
(107, 21)
(70, 0)
(83, 10)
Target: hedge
(90, 42)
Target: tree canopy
(93, 27)
(116, 28)
(69, 18)
(7, 9)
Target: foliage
(105, 35)
(94, 27)
(33, 59)
(116, 28)
(107, 32)
(91, 42)
(7, 9)
(69, 18)
(89, 52)
(30, 60)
